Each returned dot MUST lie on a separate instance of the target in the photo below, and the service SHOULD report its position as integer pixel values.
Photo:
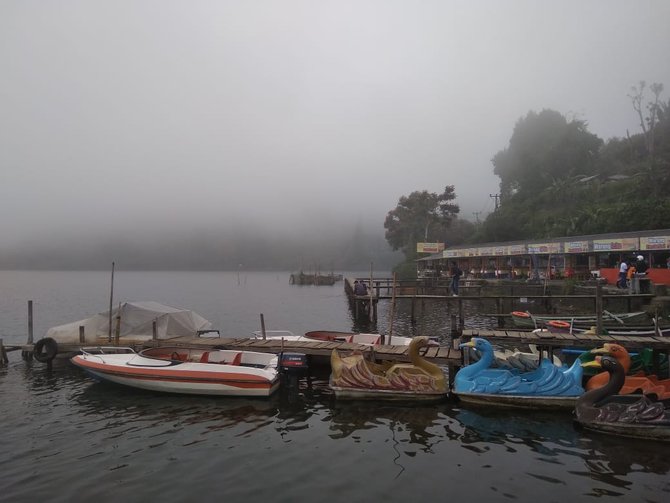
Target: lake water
(67, 438)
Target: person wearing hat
(641, 265)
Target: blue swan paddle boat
(549, 386)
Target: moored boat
(525, 319)
(605, 411)
(354, 377)
(356, 338)
(196, 371)
(548, 386)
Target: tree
(648, 123)
(544, 147)
(421, 216)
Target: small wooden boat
(333, 336)
(547, 387)
(367, 339)
(353, 377)
(184, 370)
(604, 411)
(524, 319)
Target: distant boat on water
(301, 278)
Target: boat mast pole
(111, 298)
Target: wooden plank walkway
(660, 343)
(436, 354)
(320, 349)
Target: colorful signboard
(485, 251)
(545, 248)
(576, 246)
(655, 243)
(517, 249)
(429, 247)
(615, 244)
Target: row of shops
(579, 257)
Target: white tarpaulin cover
(136, 323)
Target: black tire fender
(45, 350)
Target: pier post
(30, 322)
(154, 330)
(501, 321)
(82, 336)
(3, 354)
(117, 332)
(599, 308)
(461, 317)
(412, 314)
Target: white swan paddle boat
(197, 371)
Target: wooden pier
(317, 350)
(515, 297)
(562, 340)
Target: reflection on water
(70, 438)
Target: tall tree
(421, 216)
(647, 123)
(544, 147)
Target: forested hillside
(558, 179)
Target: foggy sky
(135, 117)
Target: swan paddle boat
(194, 371)
(523, 361)
(547, 387)
(605, 411)
(354, 377)
(632, 383)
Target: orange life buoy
(521, 314)
(558, 324)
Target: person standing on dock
(633, 282)
(623, 271)
(456, 274)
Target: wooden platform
(569, 340)
(441, 355)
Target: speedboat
(196, 371)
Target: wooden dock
(319, 351)
(562, 340)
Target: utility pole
(496, 197)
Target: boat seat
(205, 357)
(237, 360)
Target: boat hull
(387, 395)
(519, 401)
(631, 430)
(186, 378)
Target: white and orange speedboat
(196, 371)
